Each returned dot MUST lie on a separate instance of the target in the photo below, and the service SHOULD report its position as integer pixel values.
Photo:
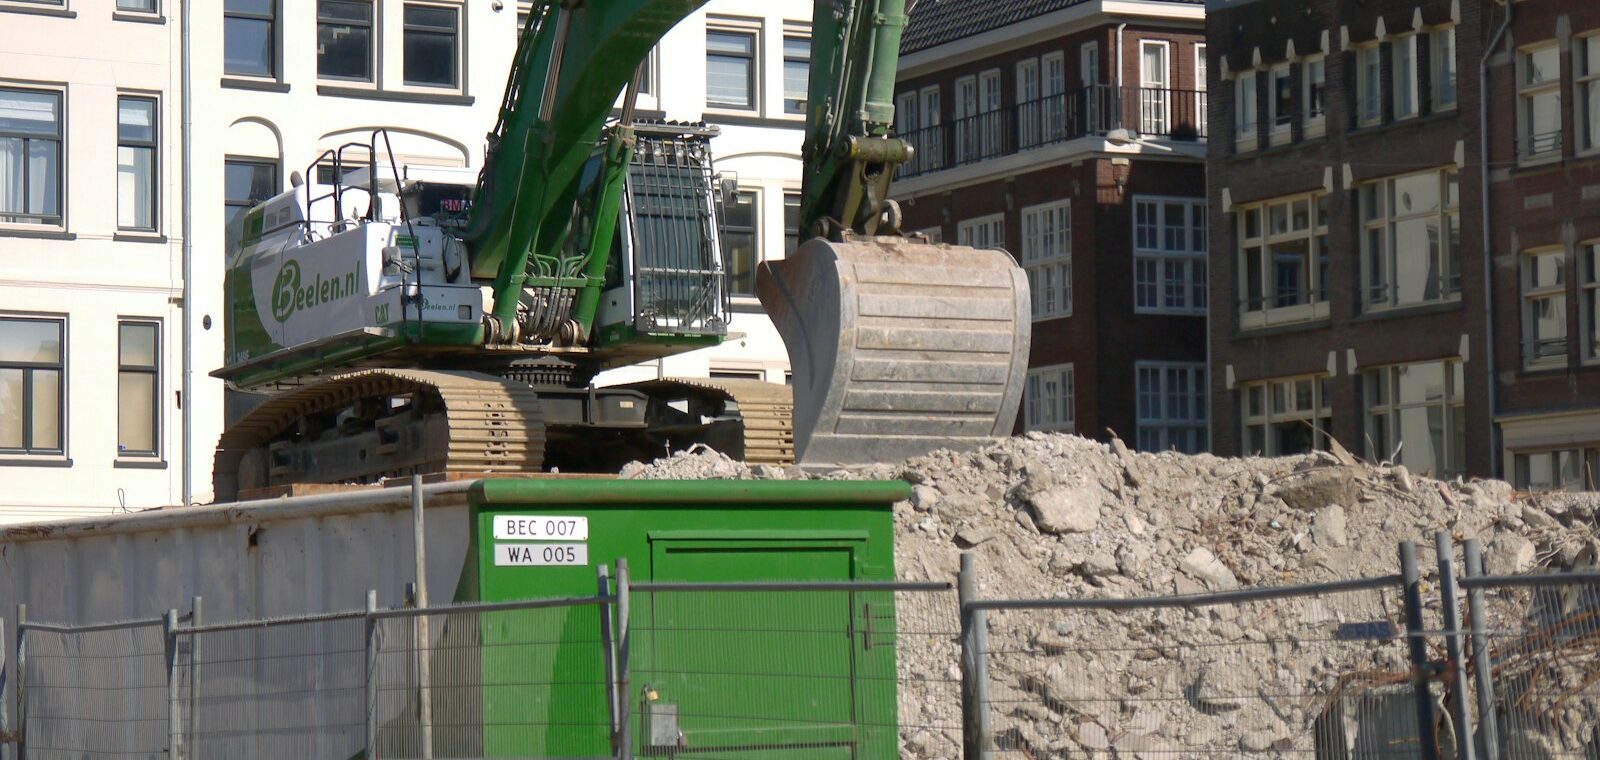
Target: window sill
(1147, 311)
(1542, 370)
(39, 461)
(1539, 162)
(395, 96)
(139, 464)
(262, 85)
(134, 237)
(1286, 148)
(1381, 127)
(1051, 317)
(46, 234)
(1409, 310)
(1283, 316)
(745, 305)
(57, 12)
(138, 18)
(1309, 324)
(1244, 146)
(751, 120)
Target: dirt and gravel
(1052, 515)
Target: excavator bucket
(898, 347)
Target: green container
(713, 674)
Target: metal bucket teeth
(898, 348)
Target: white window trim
(1387, 222)
(1313, 125)
(1434, 70)
(1363, 97)
(1033, 262)
(1454, 398)
(1164, 423)
(1585, 72)
(1277, 131)
(1267, 316)
(760, 89)
(1195, 209)
(1404, 45)
(375, 56)
(1029, 121)
(1528, 295)
(1065, 418)
(1320, 409)
(994, 226)
(1527, 92)
(1245, 139)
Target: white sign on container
(540, 528)
(540, 555)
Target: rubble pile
(1052, 515)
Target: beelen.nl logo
(289, 297)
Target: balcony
(1089, 111)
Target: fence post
(372, 675)
(1482, 661)
(608, 651)
(419, 543)
(1460, 715)
(22, 682)
(974, 666)
(169, 629)
(197, 616)
(1419, 651)
(624, 687)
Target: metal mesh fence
(728, 673)
(528, 683)
(1324, 676)
(1543, 639)
(96, 693)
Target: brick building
(1072, 134)
(1350, 289)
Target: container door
(768, 674)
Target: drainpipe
(186, 94)
(1488, 246)
(1120, 27)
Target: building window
(1047, 258)
(1172, 406)
(1369, 86)
(1404, 67)
(1313, 78)
(1283, 260)
(249, 37)
(1155, 87)
(1280, 102)
(1559, 470)
(138, 388)
(1411, 235)
(1287, 416)
(137, 6)
(431, 47)
(32, 387)
(1587, 88)
(931, 147)
(740, 240)
(1442, 67)
(1201, 116)
(796, 72)
(1416, 416)
(791, 222)
(1544, 307)
(245, 183)
(1049, 399)
(731, 69)
(1244, 107)
(1589, 296)
(344, 40)
(1169, 255)
(137, 164)
(735, 373)
(983, 232)
(30, 157)
(1539, 98)
(1029, 115)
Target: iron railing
(1093, 110)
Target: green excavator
(396, 319)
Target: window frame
(1057, 263)
(229, 204)
(1165, 423)
(1386, 222)
(61, 367)
(45, 222)
(1586, 92)
(154, 11)
(1589, 301)
(796, 33)
(458, 36)
(1381, 399)
(754, 72)
(990, 224)
(1315, 235)
(1588, 461)
(1029, 116)
(154, 370)
(1279, 125)
(1189, 259)
(791, 202)
(1532, 355)
(1246, 110)
(1314, 122)
(1529, 147)
(1437, 66)
(757, 250)
(274, 34)
(1403, 83)
(1320, 412)
(154, 146)
(1368, 102)
(1065, 418)
(374, 25)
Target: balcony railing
(1093, 110)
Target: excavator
(395, 319)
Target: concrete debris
(1053, 515)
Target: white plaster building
(273, 84)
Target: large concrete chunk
(898, 348)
